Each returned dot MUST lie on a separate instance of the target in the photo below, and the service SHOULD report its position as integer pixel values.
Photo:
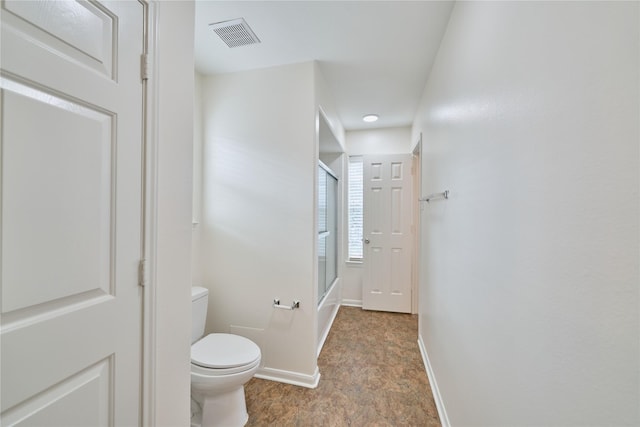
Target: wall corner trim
(442, 412)
(288, 377)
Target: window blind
(355, 206)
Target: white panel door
(387, 233)
(71, 147)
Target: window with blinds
(355, 198)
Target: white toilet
(221, 364)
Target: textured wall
(379, 141)
(529, 300)
(258, 203)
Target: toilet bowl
(220, 366)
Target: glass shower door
(327, 230)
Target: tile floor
(371, 375)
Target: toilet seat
(202, 373)
(222, 354)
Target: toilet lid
(221, 351)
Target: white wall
(529, 305)
(260, 160)
(198, 137)
(173, 82)
(375, 141)
(331, 148)
(379, 141)
(324, 100)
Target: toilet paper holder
(276, 304)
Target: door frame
(149, 226)
(416, 171)
(167, 229)
(409, 160)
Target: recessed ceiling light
(370, 118)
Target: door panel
(87, 392)
(81, 31)
(69, 180)
(71, 120)
(387, 233)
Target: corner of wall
(171, 129)
(259, 174)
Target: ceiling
(374, 55)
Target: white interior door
(387, 233)
(71, 149)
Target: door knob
(366, 241)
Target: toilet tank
(199, 301)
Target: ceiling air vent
(235, 33)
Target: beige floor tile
(371, 375)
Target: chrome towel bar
(435, 196)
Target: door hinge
(142, 272)
(144, 67)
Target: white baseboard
(325, 334)
(442, 412)
(352, 302)
(288, 377)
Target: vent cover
(235, 33)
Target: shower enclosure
(327, 230)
